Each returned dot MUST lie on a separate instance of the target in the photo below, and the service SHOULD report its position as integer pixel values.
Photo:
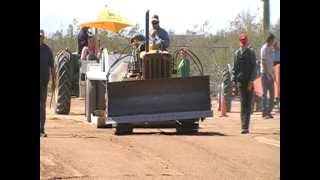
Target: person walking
(243, 75)
(46, 67)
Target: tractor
(137, 90)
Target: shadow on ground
(175, 134)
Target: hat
(155, 18)
(41, 33)
(243, 39)
(243, 36)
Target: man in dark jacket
(159, 36)
(243, 75)
(46, 67)
(82, 39)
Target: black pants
(43, 99)
(246, 101)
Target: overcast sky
(176, 15)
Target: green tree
(70, 31)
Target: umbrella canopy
(108, 20)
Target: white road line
(268, 141)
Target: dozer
(141, 90)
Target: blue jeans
(43, 99)
(267, 86)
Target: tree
(276, 29)
(70, 31)
(134, 30)
(190, 32)
(57, 35)
(76, 26)
(203, 29)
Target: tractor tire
(187, 127)
(75, 64)
(227, 87)
(123, 129)
(64, 82)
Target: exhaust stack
(147, 31)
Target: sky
(176, 15)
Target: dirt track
(75, 149)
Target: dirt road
(75, 149)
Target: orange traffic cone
(223, 111)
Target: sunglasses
(155, 22)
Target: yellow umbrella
(108, 20)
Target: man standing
(243, 75)
(159, 36)
(267, 77)
(46, 66)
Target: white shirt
(266, 59)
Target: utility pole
(265, 15)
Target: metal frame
(161, 117)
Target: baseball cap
(155, 18)
(243, 36)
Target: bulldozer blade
(159, 100)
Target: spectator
(82, 39)
(276, 54)
(267, 77)
(46, 66)
(276, 70)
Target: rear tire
(64, 82)
(75, 64)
